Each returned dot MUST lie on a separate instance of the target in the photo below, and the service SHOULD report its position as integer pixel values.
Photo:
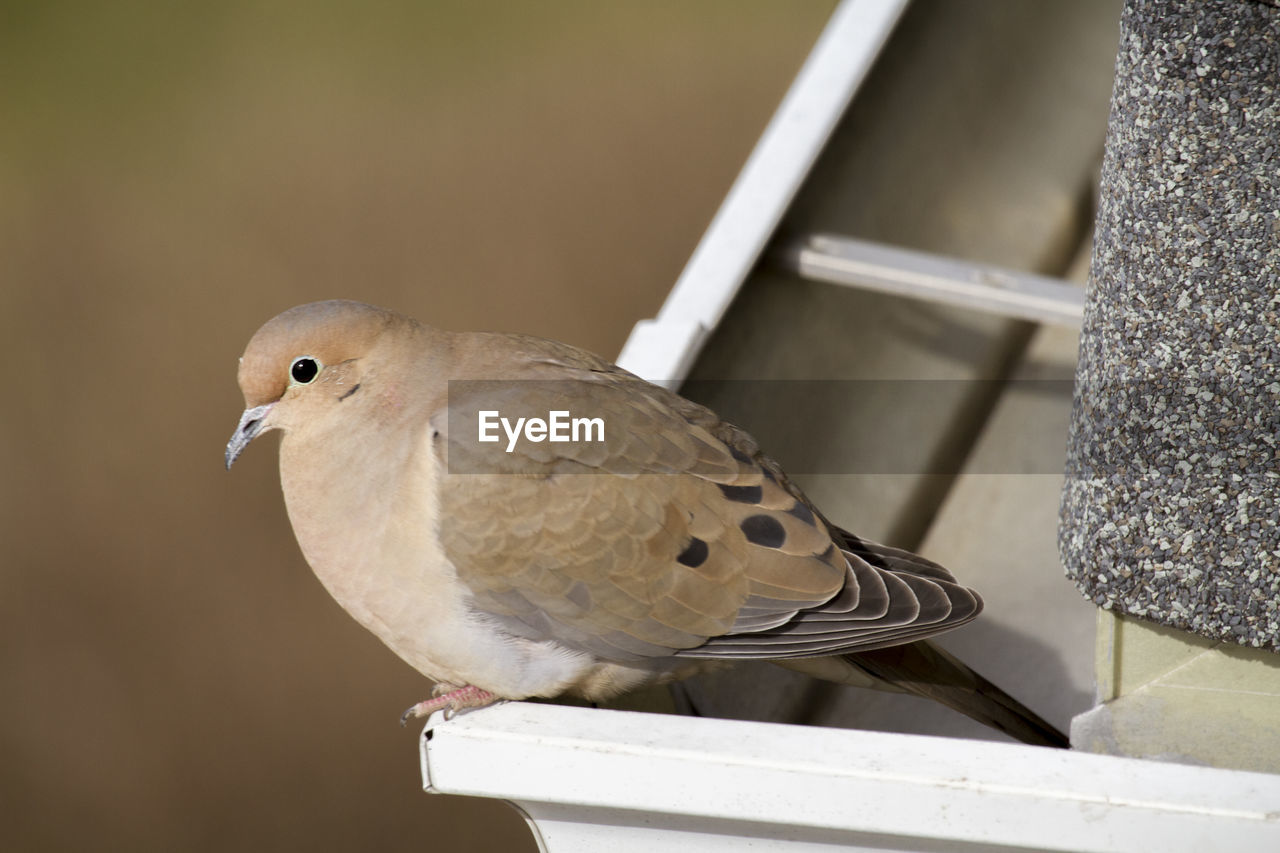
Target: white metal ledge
(590, 779)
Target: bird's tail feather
(923, 669)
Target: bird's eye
(304, 369)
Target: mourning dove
(518, 518)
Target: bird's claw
(451, 700)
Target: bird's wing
(672, 535)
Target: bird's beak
(248, 428)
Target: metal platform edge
(587, 777)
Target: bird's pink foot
(452, 698)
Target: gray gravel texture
(1173, 476)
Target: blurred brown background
(172, 175)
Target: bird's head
(305, 363)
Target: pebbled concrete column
(1171, 511)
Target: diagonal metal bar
(857, 263)
(663, 349)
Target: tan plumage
(586, 567)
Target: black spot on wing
(694, 554)
(802, 512)
(764, 530)
(743, 494)
(739, 455)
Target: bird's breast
(369, 529)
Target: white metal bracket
(858, 263)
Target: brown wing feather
(658, 536)
(673, 535)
